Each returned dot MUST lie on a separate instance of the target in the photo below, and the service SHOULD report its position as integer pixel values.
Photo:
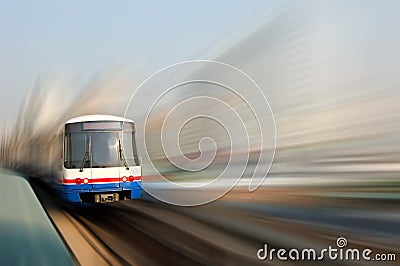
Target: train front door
(105, 159)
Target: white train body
(98, 161)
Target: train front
(101, 163)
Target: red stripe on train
(102, 180)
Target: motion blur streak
(331, 77)
(51, 102)
(330, 72)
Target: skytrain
(96, 160)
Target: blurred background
(329, 70)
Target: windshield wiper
(85, 159)
(122, 155)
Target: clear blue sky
(83, 37)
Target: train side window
(130, 149)
(76, 147)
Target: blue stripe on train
(71, 192)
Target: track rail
(143, 232)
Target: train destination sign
(102, 125)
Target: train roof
(86, 118)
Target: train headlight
(124, 178)
(86, 181)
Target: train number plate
(98, 198)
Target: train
(96, 160)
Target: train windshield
(99, 146)
(104, 149)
